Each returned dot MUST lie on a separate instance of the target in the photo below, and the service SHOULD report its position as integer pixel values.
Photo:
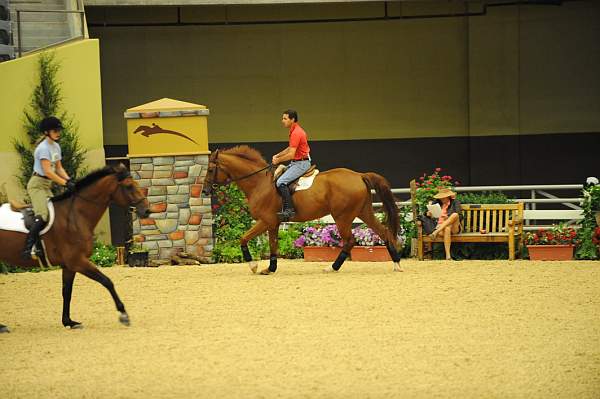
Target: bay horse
(69, 242)
(343, 193)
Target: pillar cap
(165, 107)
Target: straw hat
(444, 192)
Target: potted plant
(369, 246)
(137, 256)
(556, 243)
(429, 185)
(321, 243)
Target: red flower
(438, 169)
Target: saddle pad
(13, 221)
(305, 182)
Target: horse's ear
(122, 172)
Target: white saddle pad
(305, 182)
(13, 221)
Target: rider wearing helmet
(47, 168)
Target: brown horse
(69, 242)
(343, 193)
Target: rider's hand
(70, 185)
(274, 160)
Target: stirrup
(286, 215)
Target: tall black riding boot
(288, 206)
(32, 237)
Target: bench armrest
(515, 222)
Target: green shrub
(46, 100)
(590, 205)
(287, 236)
(232, 220)
(486, 197)
(103, 255)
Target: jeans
(294, 171)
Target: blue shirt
(49, 151)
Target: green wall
(518, 69)
(79, 76)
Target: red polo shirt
(298, 140)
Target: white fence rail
(565, 210)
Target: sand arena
(468, 329)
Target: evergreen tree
(46, 101)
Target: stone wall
(181, 218)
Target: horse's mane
(246, 152)
(86, 181)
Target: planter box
(370, 254)
(137, 259)
(321, 254)
(550, 252)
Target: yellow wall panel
(79, 77)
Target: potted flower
(137, 256)
(429, 185)
(556, 243)
(321, 243)
(369, 246)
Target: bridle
(76, 194)
(119, 186)
(231, 179)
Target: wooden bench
(502, 223)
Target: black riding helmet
(50, 123)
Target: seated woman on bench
(449, 221)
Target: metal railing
(20, 22)
(532, 213)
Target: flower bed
(323, 243)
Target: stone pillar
(168, 151)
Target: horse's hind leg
(90, 270)
(345, 229)
(391, 242)
(67, 289)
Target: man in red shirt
(298, 152)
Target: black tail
(384, 191)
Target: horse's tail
(384, 191)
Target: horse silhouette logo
(148, 131)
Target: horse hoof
(253, 266)
(329, 270)
(74, 325)
(398, 268)
(265, 272)
(4, 329)
(124, 319)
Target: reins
(268, 168)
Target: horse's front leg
(256, 230)
(274, 251)
(4, 329)
(67, 289)
(90, 270)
